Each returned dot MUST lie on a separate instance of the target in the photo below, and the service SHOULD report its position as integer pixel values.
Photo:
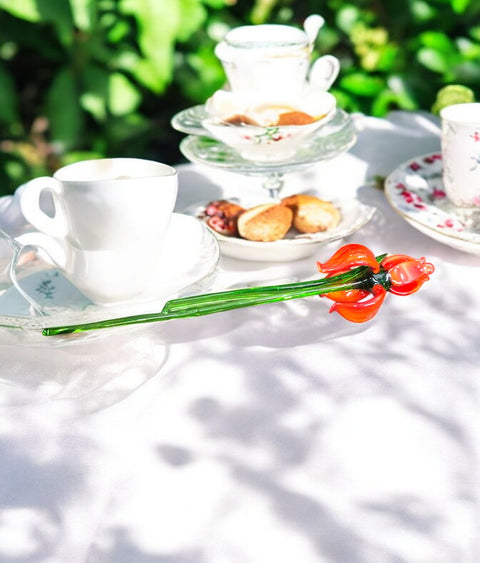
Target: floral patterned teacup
(270, 132)
(461, 153)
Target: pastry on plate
(221, 216)
(312, 214)
(265, 223)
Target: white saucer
(415, 191)
(294, 246)
(188, 263)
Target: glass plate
(331, 140)
(294, 246)
(189, 262)
(189, 121)
(415, 191)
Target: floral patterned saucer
(415, 191)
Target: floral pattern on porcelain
(269, 135)
(423, 193)
(461, 162)
(416, 191)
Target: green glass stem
(209, 303)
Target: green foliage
(99, 75)
(82, 78)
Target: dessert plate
(294, 246)
(188, 264)
(415, 191)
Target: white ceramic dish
(188, 264)
(294, 246)
(415, 191)
(264, 141)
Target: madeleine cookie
(265, 223)
(311, 214)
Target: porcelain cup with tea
(107, 224)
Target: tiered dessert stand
(329, 141)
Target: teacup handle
(17, 250)
(29, 196)
(51, 249)
(323, 72)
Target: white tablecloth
(278, 433)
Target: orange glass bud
(348, 295)
(407, 275)
(361, 311)
(348, 257)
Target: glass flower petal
(361, 311)
(348, 257)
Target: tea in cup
(110, 218)
(272, 58)
(461, 153)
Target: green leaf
(63, 110)
(388, 100)
(160, 25)
(459, 6)
(75, 156)
(217, 4)
(126, 129)
(156, 69)
(328, 39)
(95, 92)
(347, 17)
(362, 84)
(474, 32)
(433, 60)
(387, 58)
(118, 31)
(466, 72)
(468, 49)
(8, 98)
(83, 12)
(124, 97)
(146, 73)
(345, 100)
(56, 12)
(438, 41)
(13, 172)
(422, 11)
(192, 16)
(203, 75)
(24, 9)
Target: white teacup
(273, 58)
(461, 153)
(109, 221)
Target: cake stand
(331, 140)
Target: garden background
(94, 78)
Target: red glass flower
(399, 274)
(355, 280)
